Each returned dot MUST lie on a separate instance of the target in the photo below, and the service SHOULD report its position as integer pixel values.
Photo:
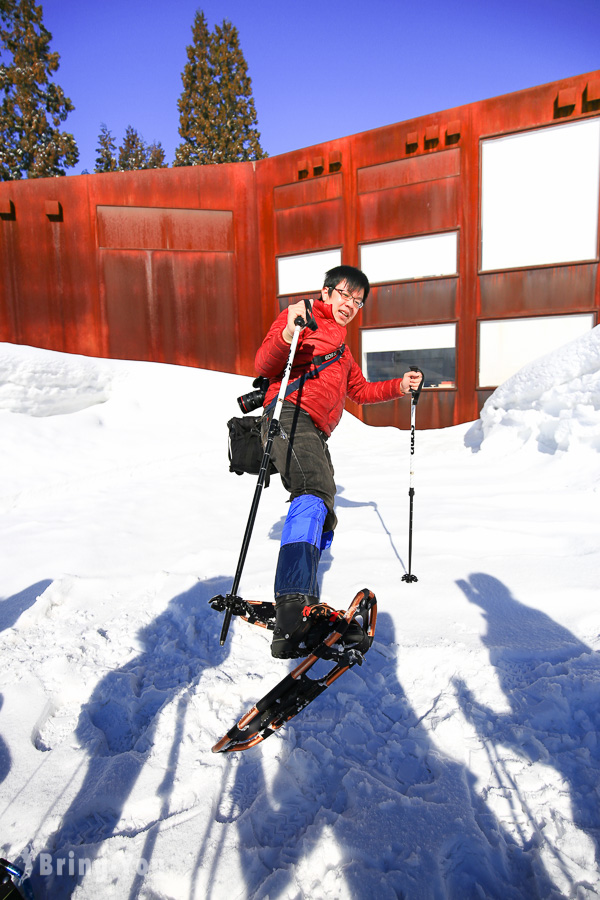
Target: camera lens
(251, 401)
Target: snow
(460, 761)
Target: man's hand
(410, 381)
(295, 310)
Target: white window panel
(426, 256)
(389, 352)
(506, 345)
(539, 196)
(305, 272)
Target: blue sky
(318, 71)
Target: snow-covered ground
(460, 761)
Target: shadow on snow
(359, 787)
(117, 727)
(551, 681)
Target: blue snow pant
(301, 456)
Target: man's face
(342, 302)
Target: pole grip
(310, 321)
(416, 394)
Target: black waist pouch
(245, 447)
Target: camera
(254, 399)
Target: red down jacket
(322, 397)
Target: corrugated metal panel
(541, 290)
(414, 170)
(406, 303)
(318, 226)
(414, 209)
(303, 193)
(143, 228)
(174, 308)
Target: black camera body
(251, 401)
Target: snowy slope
(461, 760)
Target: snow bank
(553, 402)
(38, 383)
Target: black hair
(354, 278)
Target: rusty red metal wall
(180, 265)
(157, 265)
(416, 178)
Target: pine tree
(133, 153)
(33, 107)
(106, 161)
(234, 119)
(196, 99)
(155, 156)
(216, 108)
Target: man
(300, 451)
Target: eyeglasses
(346, 296)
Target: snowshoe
(297, 690)
(317, 622)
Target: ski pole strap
(320, 363)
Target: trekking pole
(231, 600)
(409, 577)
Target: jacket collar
(324, 309)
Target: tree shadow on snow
(359, 791)
(117, 727)
(551, 681)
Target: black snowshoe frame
(296, 690)
(253, 612)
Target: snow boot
(291, 625)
